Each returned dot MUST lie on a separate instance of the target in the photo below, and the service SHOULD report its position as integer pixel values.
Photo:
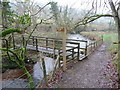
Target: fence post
(86, 49)
(23, 40)
(53, 52)
(46, 43)
(78, 51)
(59, 57)
(44, 71)
(53, 49)
(33, 40)
(72, 53)
(36, 44)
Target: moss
(8, 31)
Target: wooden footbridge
(52, 47)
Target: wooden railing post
(36, 44)
(59, 57)
(72, 53)
(46, 43)
(33, 39)
(86, 49)
(53, 49)
(78, 51)
(44, 71)
(53, 52)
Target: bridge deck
(50, 51)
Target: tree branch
(87, 20)
(40, 9)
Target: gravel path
(88, 73)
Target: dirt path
(88, 73)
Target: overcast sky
(70, 3)
(79, 4)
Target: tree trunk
(117, 22)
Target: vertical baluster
(33, 39)
(36, 44)
(72, 54)
(59, 57)
(86, 49)
(78, 51)
(53, 49)
(46, 43)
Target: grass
(108, 37)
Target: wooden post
(53, 49)
(53, 52)
(86, 49)
(78, 51)
(94, 45)
(44, 71)
(64, 49)
(59, 57)
(46, 43)
(33, 40)
(36, 44)
(72, 53)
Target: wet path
(88, 73)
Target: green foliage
(6, 14)
(113, 48)
(8, 31)
(55, 11)
(19, 59)
(116, 63)
(25, 19)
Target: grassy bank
(108, 38)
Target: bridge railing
(74, 52)
(93, 46)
